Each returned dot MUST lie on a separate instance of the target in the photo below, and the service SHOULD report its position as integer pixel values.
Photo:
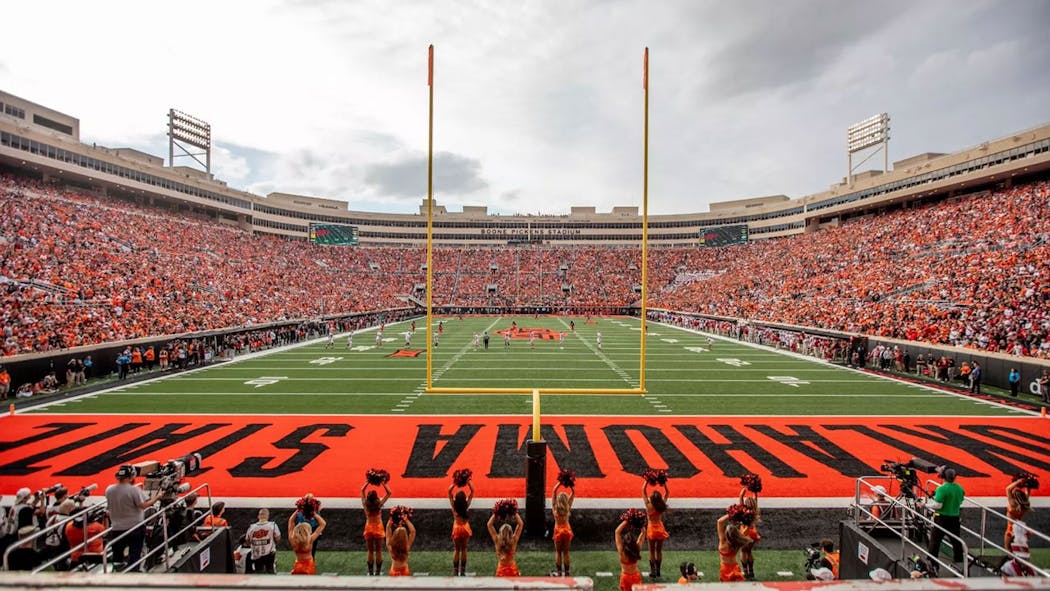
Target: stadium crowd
(77, 269)
(972, 272)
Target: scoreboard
(723, 235)
(333, 234)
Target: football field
(714, 409)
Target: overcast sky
(538, 105)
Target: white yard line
(850, 369)
(246, 357)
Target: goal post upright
(430, 218)
(645, 217)
(430, 388)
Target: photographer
(946, 502)
(829, 557)
(56, 543)
(127, 505)
(87, 527)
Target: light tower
(873, 131)
(187, 130)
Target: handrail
(907, 511)
(163, 512)
(985, 511)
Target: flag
(645, 70)
(430, 66)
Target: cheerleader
(747, 559)
(399, 542)
(561, 506)
(629, 549)
(460, 504)
(655, 506)
(506, 541)
(1018, 503)
(302, 538)
(730, 542)
(374, 532)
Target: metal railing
(910, 522)
(158, 518)
(996, 517)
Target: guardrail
(987, 543)
(912, 523)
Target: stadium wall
(995, 366)
(32, 367)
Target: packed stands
(971, 272)
(77, 269)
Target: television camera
(167, 478)
(907, 473)
(814, 557)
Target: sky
(538, 104)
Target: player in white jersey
(350, 340)
(561, 340)
(436, 338)
(331, 339)
(379, 338)
(408, 338)
(599, 338)
(506, 340)
(477, 339)
(710, 343)
(532, 340)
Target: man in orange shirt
(136, 360)
(150, 356)
(5, 383)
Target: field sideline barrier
(187, 582)
(972, 584)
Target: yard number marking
(264, 381)
(787, 380)
(325, 360)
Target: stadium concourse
(77, 270)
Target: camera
(813, 556)
(167, 479)
(907, 473)
(83, 494)
(46, 492)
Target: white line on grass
(169, 377)
(850, 369)
(601, 355)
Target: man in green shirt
(946, 501)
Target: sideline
(880, 376)
(249, 356)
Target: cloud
(787, 44)
(538, 106)
(407, 177)
(228, 166)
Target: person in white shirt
(263, 536)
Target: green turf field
(685, 374)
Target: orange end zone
(282, 456)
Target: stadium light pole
(645, 213)
(430, 215)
